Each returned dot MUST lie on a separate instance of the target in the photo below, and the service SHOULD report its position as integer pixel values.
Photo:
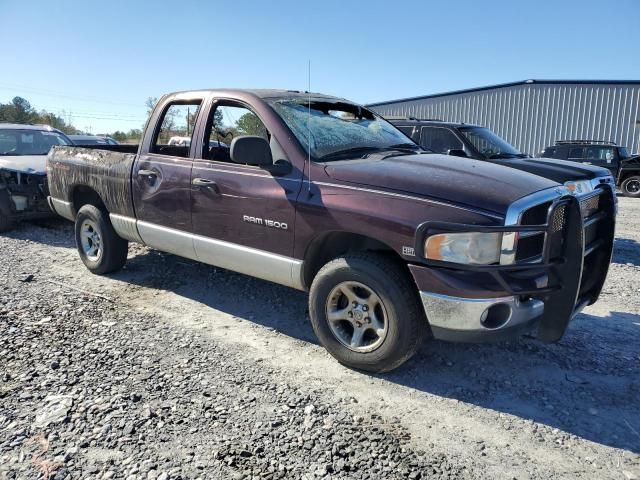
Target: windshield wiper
(406, 146)
(506, 155)
(350, 151)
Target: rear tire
(100, 248)
(365, 311)
(631, 187)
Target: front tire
(100, 248)
(365, 311)
(631, 187)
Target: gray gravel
(172, 369)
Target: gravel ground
(171, 369)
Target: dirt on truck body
(394, 244)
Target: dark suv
(480, 143)
(624, 168)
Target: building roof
(511, 84)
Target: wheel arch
(330, 245)
(83, 195)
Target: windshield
(489, 144)
(29, 142)
(338, 130)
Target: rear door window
(178, 121)
(439, 140)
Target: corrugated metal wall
(532, 116)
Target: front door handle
(206, 184)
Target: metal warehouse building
(532, 114)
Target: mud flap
(560, 306)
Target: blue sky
(99, 61)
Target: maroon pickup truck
(317, 193)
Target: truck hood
(34, 164)
(557, 170)
(457, 180)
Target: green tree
(250, 124)
(18, 111)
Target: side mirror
(457, 152)
(251, 150)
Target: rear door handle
(150, 175)
(206, 184)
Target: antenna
(308, 123)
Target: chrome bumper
(470, 319)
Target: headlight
(578, 187)
(472, 248)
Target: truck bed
(104, 170)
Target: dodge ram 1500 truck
(320, 194)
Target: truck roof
(263, 93)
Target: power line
(89, 112)
(53, 93)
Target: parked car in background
(624, 168)
(321, 194)
(186, 142)
(23, 185)
(180, 141)
(92, 140)
(480, 143)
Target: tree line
(20, 110)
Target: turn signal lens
(471, 247)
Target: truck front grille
(530, 245)
(597, 210)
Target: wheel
(366, 312)
(100, 247)
(631, 187)
(6, 223)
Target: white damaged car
(23, 174)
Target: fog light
(496, 316)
